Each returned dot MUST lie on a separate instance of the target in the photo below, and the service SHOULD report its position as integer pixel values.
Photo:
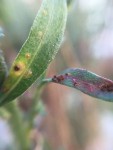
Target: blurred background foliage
(67, 119)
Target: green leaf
(3, 69)
(38, 51)
(87, 82)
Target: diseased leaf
(38, 51)
(87, 82)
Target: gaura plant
(39, 50)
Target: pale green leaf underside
(38, 51)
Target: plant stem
(34, 107)
(17, 126)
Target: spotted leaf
(87, 82)
(38, 51)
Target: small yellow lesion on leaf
(28, 55)
(19, 68)
(28, 73)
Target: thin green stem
(35, 106)
(17, 126)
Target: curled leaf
(87, 82)
(38, 51)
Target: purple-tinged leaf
(87, 82)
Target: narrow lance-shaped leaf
(38, 51)
(87, 82)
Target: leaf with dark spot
(87, 82)
(38, 51)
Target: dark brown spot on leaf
(58, 79)
(16, 68)
(54, 79)
(106, 87)
(68, 74)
